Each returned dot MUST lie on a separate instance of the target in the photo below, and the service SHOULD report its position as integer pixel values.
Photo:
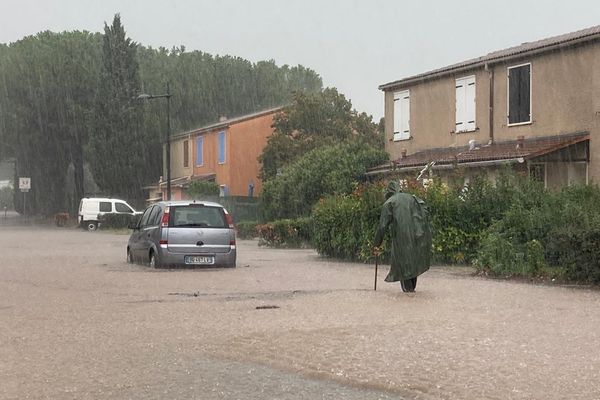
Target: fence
(240, 207)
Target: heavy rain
(299, 200)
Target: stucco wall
(177, 168)
(243, 144)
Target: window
(200, 151)
(197, 216)
(465, 104)
(144, 220)
(519, 94)
(402, 115)
(221, 149)
(186, 153)
(123, 208)
(105, 206)
(154, 218)
(537, 173)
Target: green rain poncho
(410, 234)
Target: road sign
(25, 184)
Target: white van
(90, 208)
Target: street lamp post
(167, 95)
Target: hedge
(290, 233)
(117, 221)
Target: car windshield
(197, 216)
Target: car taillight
(229, 220)
(165, 218)
(163, 242)
(232, 242)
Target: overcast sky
(354, 45)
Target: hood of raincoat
(391, 189)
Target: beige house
(535, 106)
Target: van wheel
(154, 261)
(91, 226)
(129, 257)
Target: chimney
(403, 153)
(520, 141)
(472, 144)
(222, 118)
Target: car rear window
(197, 215)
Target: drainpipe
(491, 103)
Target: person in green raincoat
(408, 218)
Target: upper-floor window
(186, 153)
(465, 104)
(221, 147)
(200, 151)
(519, 94)
(402, 115)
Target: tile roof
(499, 151)
(584, 35)
(227, 122)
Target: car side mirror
(133, 225)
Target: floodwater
(77, 322)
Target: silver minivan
(186, 233)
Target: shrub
(344, 226)
(247, 229)
(294, 233)
(576, 250)
(328, 170)
(542, 230)
(117, 221)
(199, 188)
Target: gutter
(473, 164)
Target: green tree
(45, 101)
(117, 147)
(314, 120)
(331, 170)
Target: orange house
(225, 152)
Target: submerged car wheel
(154, 261)
(91, 226)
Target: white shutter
(402, 115)
(470, 103)
(460, 106)
(405, 122)
(397, 116)
(465, 104)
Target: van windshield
(197, 216)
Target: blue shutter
(200, 150)
(221, 147)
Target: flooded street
(78, 322)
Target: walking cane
(376, 262)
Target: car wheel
(129, 257)
(154, 261)
(91, 226)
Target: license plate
(199, 260)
